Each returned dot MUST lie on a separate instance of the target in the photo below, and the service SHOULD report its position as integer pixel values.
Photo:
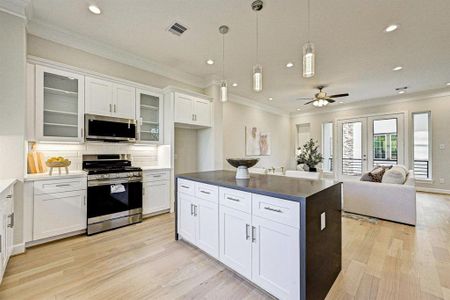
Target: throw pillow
(377, 174)
(396, 175)
(366, 177)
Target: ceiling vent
(177, 29)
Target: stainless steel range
(114, 194)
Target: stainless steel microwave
(110, 129)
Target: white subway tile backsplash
(141, 155)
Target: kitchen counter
(5, 183)
(46, 176)
(289, 188)
(155, 168)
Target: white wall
(438, 104)
(12, 107)
(185, 156)
(237, 116)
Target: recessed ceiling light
(234, 84)
(391, 28)
(397, 68)
(448, 83)
(341, 102)
(289, 65)
(94, 9)
(299, 109)
(270, 98)
(209, 62)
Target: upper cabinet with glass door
(59, 105)
(150, 110)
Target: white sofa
(394, 202)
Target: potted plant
(309, 155)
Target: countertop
(5, 183)
(154, 168)
(46, 176)
(289, 188)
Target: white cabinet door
(58, 213)
(202, 112)
(156, 196)
(9, 210)
(59, 105)
(184, 106)
(150, 114)
(3, 238)
(235, 240)
(99, 97)
(124, 103)
(207, 223)
(186, 219)
(275, 252)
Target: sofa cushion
(396, 175)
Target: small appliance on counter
(242, 165)
(114, 193)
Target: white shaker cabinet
(150, 112)
(186, 217)
(6, 227)
(156, 192)
(59, 105)
(107, 98)
(192, 110)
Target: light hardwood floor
(380, 261)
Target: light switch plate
(322, 221)
(442, 146)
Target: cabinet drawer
(156, 176)
(186, 187)
(59, 185)
(278, 210)
(235, 199)
(207, 192)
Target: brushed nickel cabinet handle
(253, 234)
(11, 220)
(81, 132)
(233, 199)
(205, 192)
(273, 209)
(9, 196)
(192, 209)
(62, 185)
(185, 186)
(195, 210)
(115, 110)
(247, 234)
(110, 107)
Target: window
(422, 145)
(385, 141)
(327, 146)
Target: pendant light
(308, 51)
(257, 69)
(223, 85)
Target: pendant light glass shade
(308, 60)
(257, 78)
(223, 91)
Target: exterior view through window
(385, 142)
(327, 146)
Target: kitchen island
(281, 233)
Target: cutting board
(35, 162)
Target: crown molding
(254, 104)
(16, 8)
(437, 93)
(74, 40)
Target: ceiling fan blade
(309, 102)
(338, 95)
(304, 98)
(330, 100)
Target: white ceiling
(353, 53)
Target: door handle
(247, 234)
(253, 234)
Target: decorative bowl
(242, 165)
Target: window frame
(430, 144)
(332, 146)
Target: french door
(366, 142)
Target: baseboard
(432, 190)
(18, 249)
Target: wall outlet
(322, 221)
(441, 180)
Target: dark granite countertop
(289, 188)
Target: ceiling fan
(321, 98)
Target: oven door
(113, 199)
(100, 128)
